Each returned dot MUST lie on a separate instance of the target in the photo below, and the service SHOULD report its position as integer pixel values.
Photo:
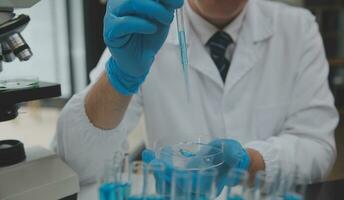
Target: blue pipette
(183, 48)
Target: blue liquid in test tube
(292, 196)
(114, 191)
(152, 197)
(202, 197)
(236, 197)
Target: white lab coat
(276, 98)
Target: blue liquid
(183, 49)
(186, 153)
(202, 197)
(153, 197)
(184, 58)
(113, 191)
(235, 197)
(292, 196)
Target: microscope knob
(11, 152)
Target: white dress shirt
(205, 30)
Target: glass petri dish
(17, 83)
(192, 156)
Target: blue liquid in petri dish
(186, 153)
(152, 197)
(292, 196)
(235, 197)
(114, 191)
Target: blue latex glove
(134, 31)
(234, 156)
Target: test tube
(204, 184)
(237, 181)
(106, 185)
(295, 186)
(155, 182)
(114, 182)
(265, 186)
(136, 180)
(181, 188)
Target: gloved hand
(234, 156)
(134, 31)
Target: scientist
(258, 79)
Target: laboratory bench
(331, 190)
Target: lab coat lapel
(199, 59)
(257, 28)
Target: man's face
(219, 10)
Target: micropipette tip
(183, 49)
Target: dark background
(94, 12)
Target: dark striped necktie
(218, 45)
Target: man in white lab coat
(258, 77)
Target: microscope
(27, 173)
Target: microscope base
(42, 176)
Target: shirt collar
(206, 30)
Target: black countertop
(332, 190)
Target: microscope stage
(42, 90)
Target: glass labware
(266, 186)
(191, 156)
(292, 184)
(137, 170)
(147, 181)
(295, 186)
(237, 183)
(204, 184)
(194, 185)
(114, 182)
(155, 182)
(183, 48)
(195, 158)
(181, 185)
